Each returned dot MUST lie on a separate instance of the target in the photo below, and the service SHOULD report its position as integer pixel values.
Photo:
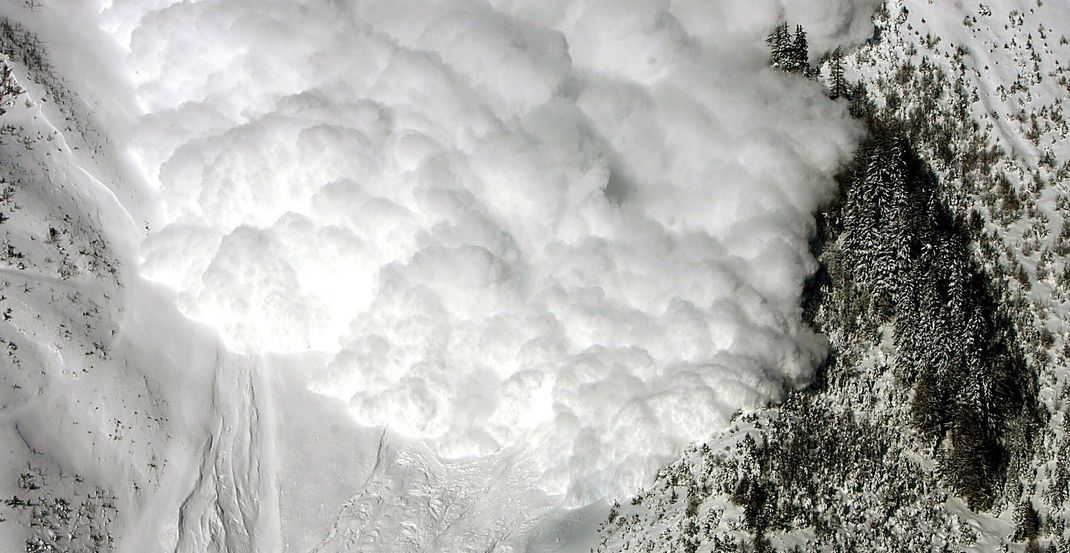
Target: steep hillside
(937, 423)
(108, 396)
(472, 269)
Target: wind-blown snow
(574, 228)
(547, 244)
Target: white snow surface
(534, 247)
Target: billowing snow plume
(577, 229)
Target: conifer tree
(800, 53)
(9, 87)
(790, 53)
(837, 82)
(780, 46)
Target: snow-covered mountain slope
(944, 275)
(468, 272)
(109, 394)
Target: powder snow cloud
(574, 228)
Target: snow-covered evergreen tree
(837, 83)
(780, 47)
